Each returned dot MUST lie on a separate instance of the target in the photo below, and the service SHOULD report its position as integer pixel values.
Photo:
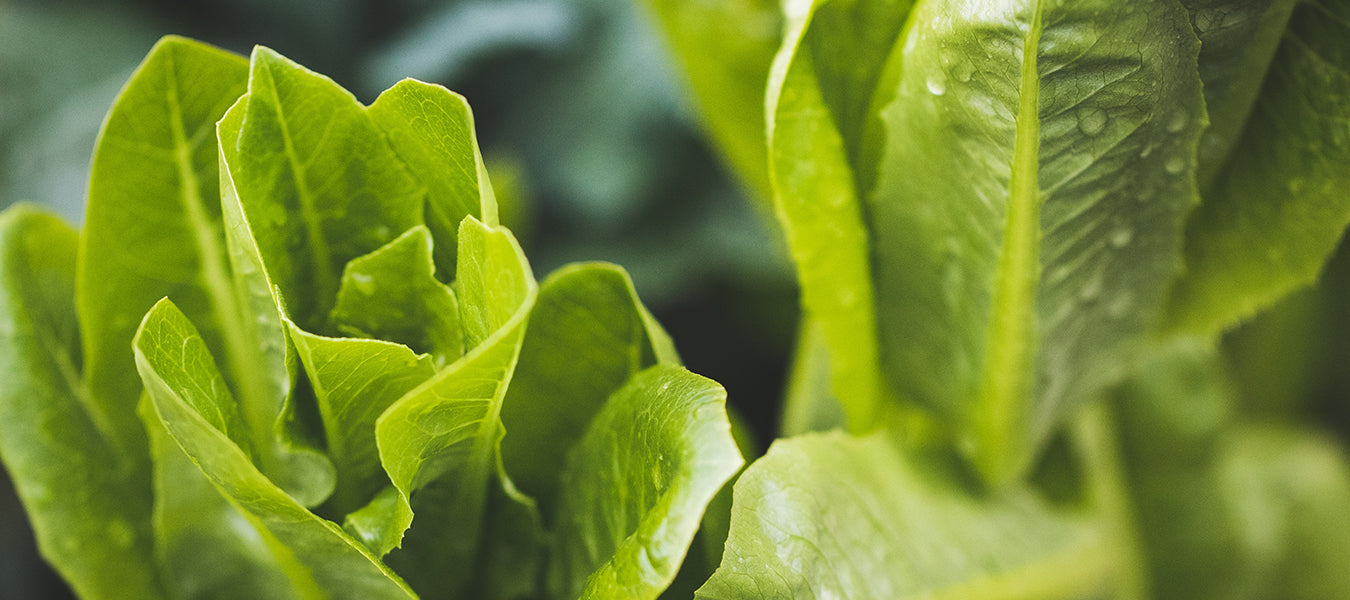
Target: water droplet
(1148, 149)
(1178, 122)
(364, 283)
(847, 297)
(1176, 165)
(1091, 120)
(1120, 305)
(1092, 288)
(1121, 237)
(963, 71)
(937, 83)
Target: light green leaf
(354, 380)
(636, 485)
(1037, 168)
(431, 129)
(725, 49)
(199, 413)
(588, 334)
(833, 516)
(204, 546)
(317, 182)
(439, 442)
(284, 454)
(88, 502)
(392, 294)
(152, 224)
(1277, 207)
(814, 138)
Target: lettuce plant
(1020, 228)
(292, 354)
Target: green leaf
(439, 442)
(1228, 510)
(153, 223)
(725, 49)
(1277, 207)
(431, 129)
(1238, 39)
(268, 406)
(833, 516)
(1037, 168)
(199, 413)
(588, 334)
(354, 380)
(204, 547)
(88, 502)
(317, 182)
(392, 294)
(636, 485)
(814, 137)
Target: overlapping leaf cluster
(293, 355)
(1000, 210)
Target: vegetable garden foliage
(293, 355)
(1020, 227)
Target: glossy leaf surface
(636, 486)
(833, 516)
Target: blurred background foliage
(588, 136)
(594, 149)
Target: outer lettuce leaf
(431, 130)
(89, 506)
(833, 516)
(725, 49)
(636, 486)
(1229, 511)
(814, 137)
(1238, 39)
(1277, 208)
(588, 334)
(439, 443)
(199, 413)
(1037, 168)
(152, 224)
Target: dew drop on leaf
(1175, 165)
(1178, 122)
(1121, 237)
(1091, 120)
(937, 83)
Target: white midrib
(1010, 341)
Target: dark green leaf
(1277, 208)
